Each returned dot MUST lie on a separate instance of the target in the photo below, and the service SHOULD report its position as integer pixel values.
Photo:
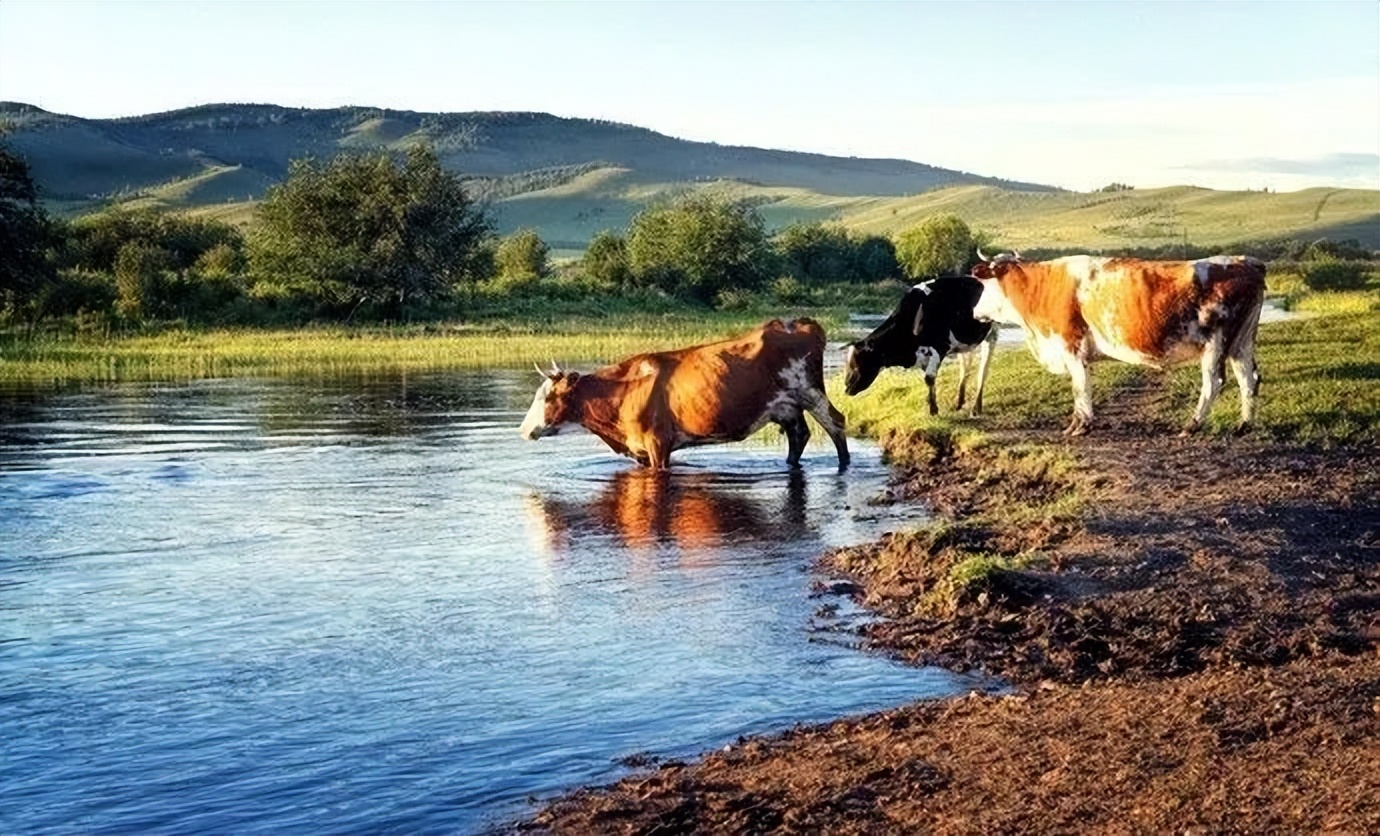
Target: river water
(367, 606)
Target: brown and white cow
(1150, 313)
(651, 404)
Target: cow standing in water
(1150, 313)
(933, 319)
(652, 404)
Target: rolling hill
(569, 178)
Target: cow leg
(984, 359)
(1212, 363)
(658, 454)
(831, 421)
(797, 434)
(1242, 360)
(964, 360)
(1082, 397)
(931, 358)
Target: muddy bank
(1192, 628)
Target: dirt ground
(1196, 649)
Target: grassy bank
(1020, 491)
(324, 350)
(1321, 385)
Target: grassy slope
(607, 200)
(200, 158)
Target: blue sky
(1077, 94)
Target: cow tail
(1242, 337)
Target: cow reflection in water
(696, 512)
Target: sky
(1229, 95)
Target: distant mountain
(570, 178)
(79, 159)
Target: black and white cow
(934, 319)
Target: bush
(522, 257)
(698, 246)
(139, 269)
(790, 291)
(1328, 273)
(939, 245)
(733, 299)
(77, 293)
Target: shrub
(1328, 273)
(790, 291)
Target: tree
(699, 246)
(938, 245)
(27, 234)
(605, 261)
(874, 259)
(366, 227)
(521, 257)
(816, 252)
(95, 241)
(140, 268)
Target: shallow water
(367, 606)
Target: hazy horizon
(1076, 95)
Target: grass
(190, 354)
(1321, 387)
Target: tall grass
(191, 354)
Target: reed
(192, 354)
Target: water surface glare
(367, 606)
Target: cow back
(723, 389)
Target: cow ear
(571, 377)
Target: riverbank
(1191, 627)
(1199, 648)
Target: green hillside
(570, 178)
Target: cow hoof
(1188, 431)
(1241, 429)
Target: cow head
(861, 363)
(994, 305)
(553, 405)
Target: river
(367, 606)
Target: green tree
(816, 252)
(605, 262)
(699, 246)
(366, 227)
(96, 240)
(140, 269)
(940, 244)
(874, 258)
(27, 235)
(521, 257)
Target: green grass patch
(970, 577)
(181, 354)
(1321, 384)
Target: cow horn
(539, 369)
(555, 369)
(1016, 254)
(982, 257)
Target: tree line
(378, 236)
